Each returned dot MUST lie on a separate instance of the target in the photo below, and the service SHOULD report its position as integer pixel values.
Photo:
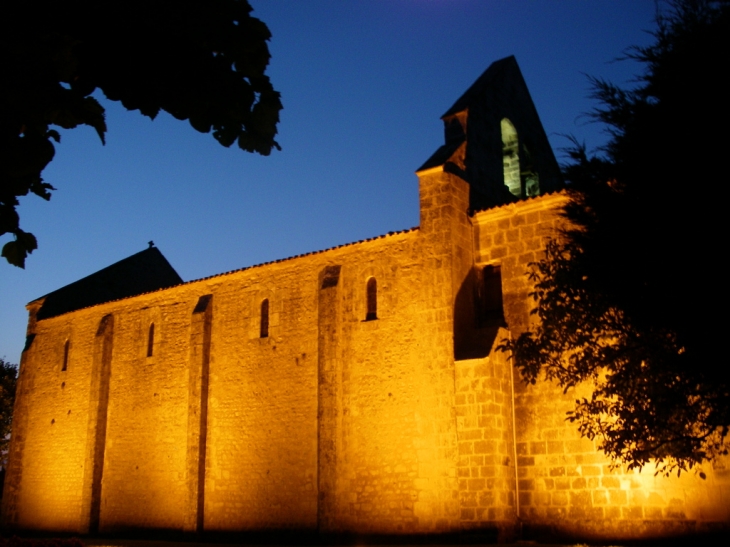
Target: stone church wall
(331, 422)
(356, 389)
(565, 484)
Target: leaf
(41, 189)
(95, 115)
(16, 251)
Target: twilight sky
(364, 83)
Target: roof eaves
(389, 234)
(554, 193)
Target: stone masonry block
(527, 232)
(476, 484)
(632, 513)
(476, 460)
(486, 499)
(637, 497)
(654, 513)
(525, 461)
(481, 447)
(498, 252)
(525, 499)
(555, 447)
(470, 435)
(617, 497)
(600, 497)
(526, 484)
(560, 498)
(557, 471)
(518, 220)
(590, 470)
(532, 217)
(581, 498)
(525, 259)
(488, 471)
(556, 513)
(468, 499)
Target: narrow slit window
(372, 300)
(151, 340)
(264, 332)
(64, 367)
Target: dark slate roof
(494, 73)
(441, 155)
(477, 89)
(140, 273)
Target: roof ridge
(253, 266)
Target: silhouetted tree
(8, 378)
(630, 297)
(200, 60)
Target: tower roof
(473, 146)
(495, 75)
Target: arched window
(151, 340)
(372, 299)
(511, 158)
(64, 367)
(264, 332)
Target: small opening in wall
(64, 367)
(511, 157)
(264, 324)
(151, 340)
(372, 299)
(490, 312)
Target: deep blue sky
(363, 83)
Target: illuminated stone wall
(486, 461)
(50, 424)
(565, 485)
(331, 422)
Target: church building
(354, 390)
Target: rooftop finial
(151, 244)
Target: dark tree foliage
(8, 378)
(630, 297)
(200, 60)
